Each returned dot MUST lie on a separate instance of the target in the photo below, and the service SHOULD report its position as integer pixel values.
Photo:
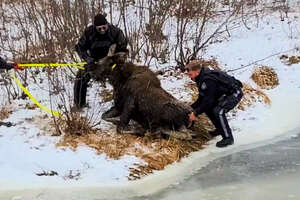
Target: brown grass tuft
(4, 113)
(251, 96)
(75, 124)
(290, 60)
(265, 77)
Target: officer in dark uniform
(5, 65)
(93, 45)
(218, 94)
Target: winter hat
(99, 20)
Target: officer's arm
(83, 45)
(208, 99)
(121, 42)
(5, 65)
(196, 103)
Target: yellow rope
(55, 113)
(77, 65)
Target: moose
(138, 95)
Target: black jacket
(210, 90)
(94, 45)
(5, 65)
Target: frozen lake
(267, 172)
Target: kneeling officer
(218, 94)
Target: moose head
(106, 65)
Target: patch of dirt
(265, 77)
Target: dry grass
(265, 77)
(74, 124)
(156, 151)
(290, 60)
(5, 112)
(251, 96)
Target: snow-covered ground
(25, 150)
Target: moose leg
(183, 133)
(125, 116)
(111, 113)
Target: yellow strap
(112, 68)
(32, 98)
(78, 65)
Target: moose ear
(120, 58)
(112, 50)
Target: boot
(225, 142)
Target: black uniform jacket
(5, 65)
(210, 91)
(94, 45)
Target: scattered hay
(265, 77)
(290, 60)
(156, 151)
(251, 96)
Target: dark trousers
(80, 88)
(217, 113)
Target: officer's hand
(17, 67)
(192, 117)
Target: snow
(26, 150)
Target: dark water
(267, 172)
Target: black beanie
(99, 20)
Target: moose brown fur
(138, 95)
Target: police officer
(93, 45)
(218, 94)
(5, 65)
